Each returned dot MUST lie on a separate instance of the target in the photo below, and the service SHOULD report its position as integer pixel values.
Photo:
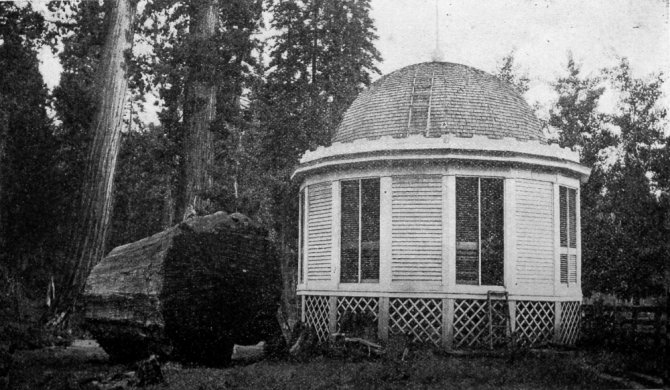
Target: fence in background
(625, 324)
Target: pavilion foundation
(453, 323)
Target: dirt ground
(84, 365)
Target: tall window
(301, 237)
(568, 228)
(359, 253)
(479, 231)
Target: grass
(76, 368)
(425, 371)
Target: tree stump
(189, 292)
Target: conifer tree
(201, 64)
(27, 146)
(508, 72)
(89, 231)
(322, 56)
(623, 220)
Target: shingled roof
(442, 98)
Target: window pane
(349, 235)
(370, 230)
(563, 200)
(572, 217)
(492, 234)
(467, 230)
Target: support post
(335, 238)
(385, 233)
(557, 321)
(302, 309)
(383, 318)
(332, 315)
(448, 323)
(512, 316)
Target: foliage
(175, 62)
(321, 57)
(141, 206)
(508, 72)
(624, 210)
(27, 147)
(72, 100)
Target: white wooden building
(441, 210)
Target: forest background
(244, 88)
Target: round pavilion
(441, 211)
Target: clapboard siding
(535, 233)
(416, 228)
(319, 231)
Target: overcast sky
(541, 32)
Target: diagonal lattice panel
(470, 323)
(570, 322)
(534, 322)
(316, 315)
(357, 305)
(418, 316)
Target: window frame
(360, 279)
(479, 230)
(301, 233)
(571, 236)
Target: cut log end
(191, 291)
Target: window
(479, 231)
(568, 234)
(301, 236)
(359, 252)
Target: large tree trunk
(89, 232)
(4, 123)
(190, 291)
(199, 112)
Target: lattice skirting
(418, 316)
(570, 322)
(357, 305)
(533, 322)
(471, 323)
(317, 315)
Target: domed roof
(436, 98)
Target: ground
(85, 366)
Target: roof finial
(437, 55)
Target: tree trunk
(168, 206)
(290, 304)
(89, 232)
(199, 113)
(4, 124)
(190, 291)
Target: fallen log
(359, 342)
(249, 353)
(190, 292)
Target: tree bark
(4, 124)
(89, 233)
(199, 113)
(190, 291)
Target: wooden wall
(417, 256)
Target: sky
(541, 33)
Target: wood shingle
(464, 101)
